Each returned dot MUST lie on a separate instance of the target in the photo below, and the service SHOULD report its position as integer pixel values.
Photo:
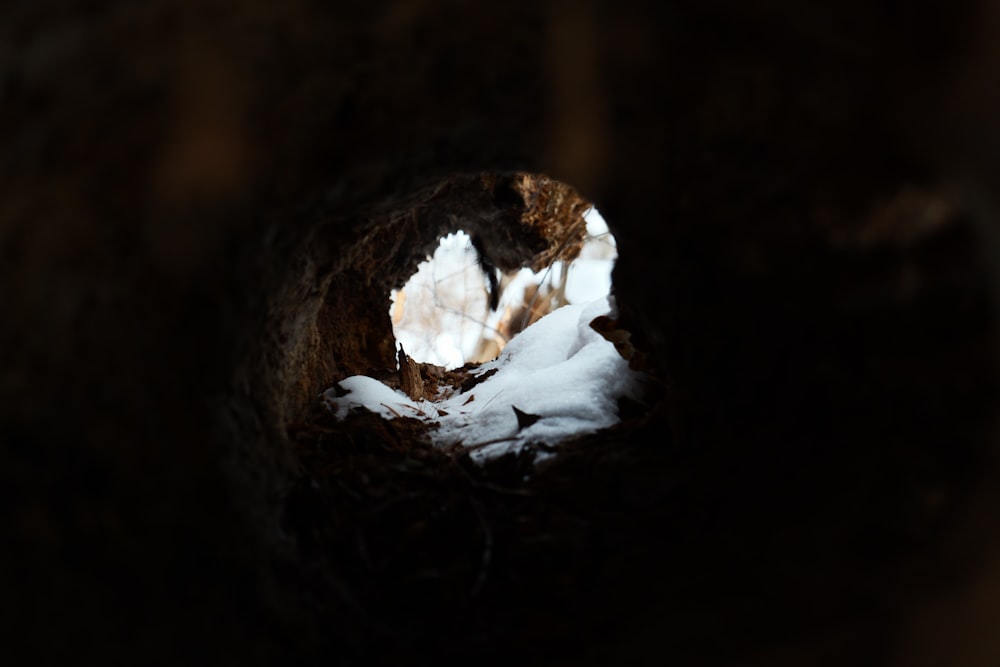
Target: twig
(416, 409)
(391, 410)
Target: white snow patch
(559, 369)
(369, 393)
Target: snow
(368, 393)
(559, 369)
(588, 279)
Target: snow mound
(560, 373)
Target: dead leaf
(409, 376)
(620, 338)
(524, 419)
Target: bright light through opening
(441, 315)
(551, 362)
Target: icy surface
(558, 369)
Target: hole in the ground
(505, 330)
(408, 502)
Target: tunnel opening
(208, 204)
(517, 247)
(438, 545)
(422, 549)
(493, 361)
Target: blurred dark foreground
(805, 201)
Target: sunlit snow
(559, 369)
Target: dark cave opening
(436, 550)
(550, 359)
(205, 206)
(518, 222)
(437, 554)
